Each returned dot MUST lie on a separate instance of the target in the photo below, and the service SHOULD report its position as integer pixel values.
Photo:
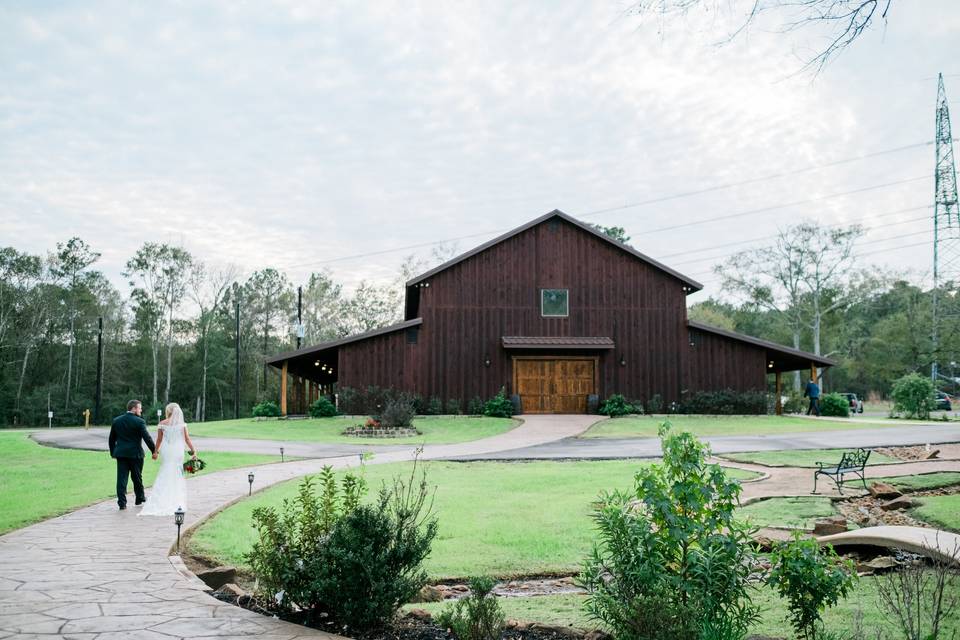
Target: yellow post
(86, 418)
(283, 389)
(813, 372)
(779, 403)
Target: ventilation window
(554, 303)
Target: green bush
(499, 406)
(913, 396)
(398, 413)
(810, 578)
(322, 408)
(726, 402)
(346, 565)
(795, 403)
(434, 407)
(266, 409)
(475, 406)
(453, 406)
(671, 561)
(476, 617)
(655, 403)
(348, 399)
(834, 404)
(616, 405)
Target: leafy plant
(434, 406)
(453, 406)
(616, 405)
(397, 414)
(475, 406)
(655, 403)
(810, 578)
(671, 561)
(476, 617)
(267, 409)
(913, 396)
(499, 406)
(834, 404)
(322, 408)
(725, 402)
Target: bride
(170, 488)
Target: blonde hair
(170, 407)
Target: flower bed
(380, 432)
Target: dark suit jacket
(125, 435)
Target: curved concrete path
(929, 542)
(105, 574)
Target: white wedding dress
(170, 488)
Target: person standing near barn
(813, 392)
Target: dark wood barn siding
(384, 361)
(715, 362)
(469, 306)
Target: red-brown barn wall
(384, 361)
(715, 362)
(468, 307)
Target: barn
(554, 311)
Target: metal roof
(556, 342)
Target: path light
(250, 480)
(281, 454)
(178, 520)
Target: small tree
(671, 561)
(913, 396)
(811, 578)
(476, 617)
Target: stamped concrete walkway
(105, 574)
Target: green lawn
(41, 482)
(922, 482)
(495, 517)
(800, 457)
(795, 513)
(435, 429)
(566, 610)
(942, 511)
(646, 426)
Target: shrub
(499, 406)
(726, 402)
(349, 401)
(616, 405)
(398, 413)
(453, 406)
(795, 402)
(266, 409)
(920, 596)
(810, 578)
(655, 403)
(476, 617)
(352, 570)
(475, 406)
(671, 561)
(322, 408)
(434, 406)
(834, 404)
(913, 396)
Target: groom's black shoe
(138, 502)
(122, 507)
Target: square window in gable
(554, 303)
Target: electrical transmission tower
(946, 222)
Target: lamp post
(178, 520)
(250, 480)
(281, 454)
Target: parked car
(856, 404)
(942, 402)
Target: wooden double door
(554, 385)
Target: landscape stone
(419, 614)
(830, 526)
(231, 589)
(897, 504)
(218, 576)
(933, 454)
(880, 563)
(884, 491)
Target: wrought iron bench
(851, 463)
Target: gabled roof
(556, 213)
(323, 346)
(770, 346)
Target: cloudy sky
(302, 134)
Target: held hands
(155, 454)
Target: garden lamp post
(281, 454)
(178, 520)
(250, 480)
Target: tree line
(171, 335)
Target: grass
(646, 426)
(923, 482)
(842, 619)
(942, 511)
(495, 518)
(435, 429)
(42, 482)
(794, 513)
(800, 457)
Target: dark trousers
(814, 406)
(134, 468)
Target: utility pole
(946, 222)
(236, 359)
(299, 316)
(98, 399)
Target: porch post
(813, 372)
(283, 389)
(779, 403)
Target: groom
(125, 435)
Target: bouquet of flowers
(193, 465)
